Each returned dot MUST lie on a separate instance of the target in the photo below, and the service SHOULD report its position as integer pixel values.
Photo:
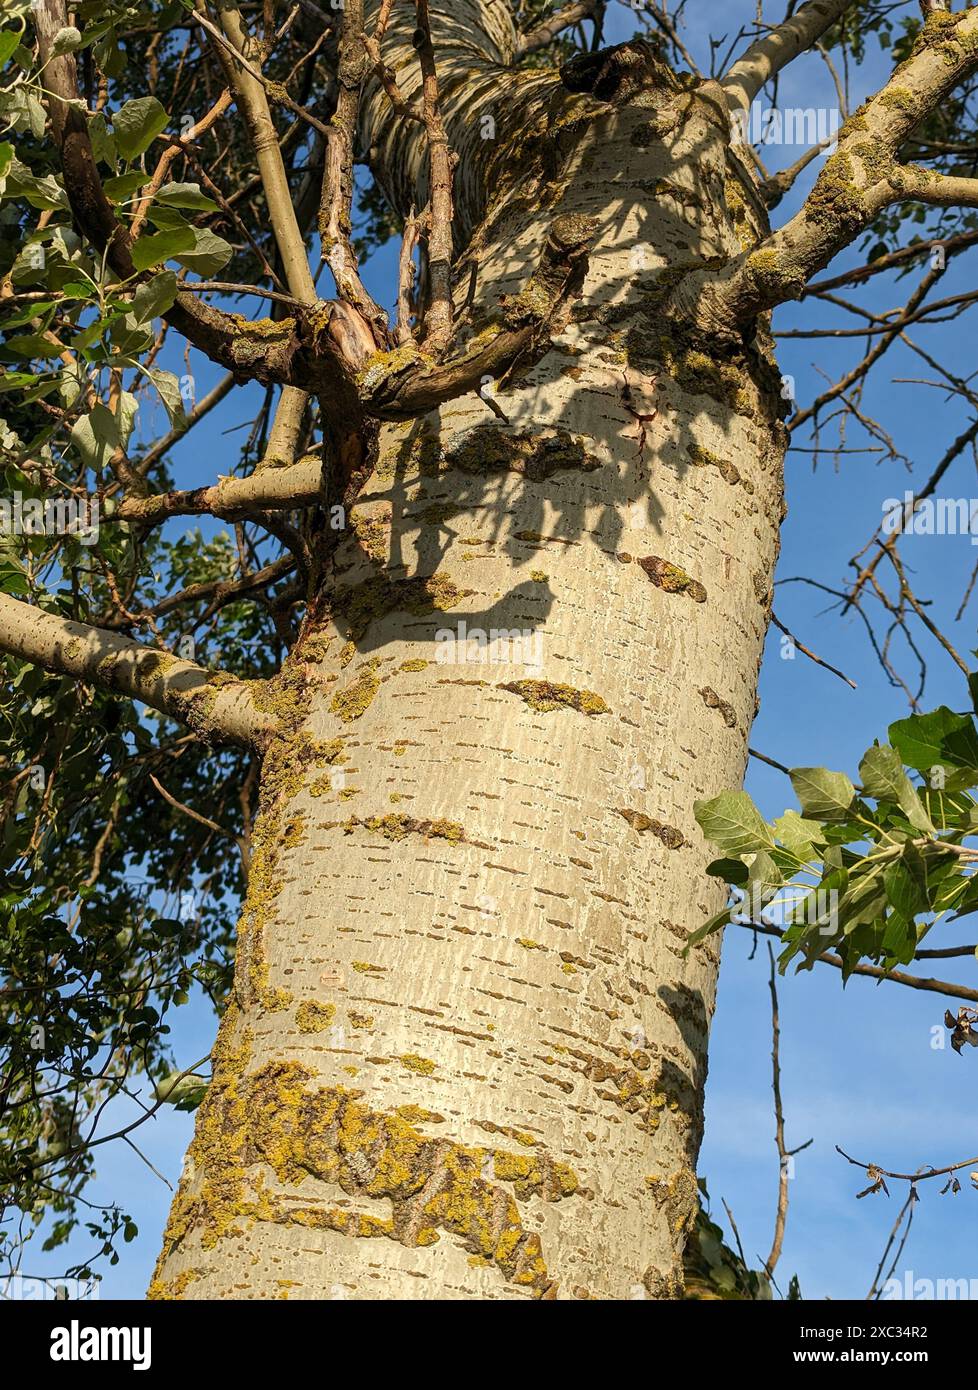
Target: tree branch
(336, 203)
(439, 316)
(784, 1153)
(220, 592)
(276, 489)
(325, 349)
(767, 56)
(310, 347)
(403, 385)
(857, 183)
(548, 29)
(939, 190)
(250, 94)
(876, 972)
(214, 704)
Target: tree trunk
(465, 1056)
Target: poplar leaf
(137, 124)
(733, 823)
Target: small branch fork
(862, 179)
(340, 351)
(321, 348)
(336, 204)
(878, 1177)
(876, 972)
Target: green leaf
(185, 195)
(155, 297)
(169, 389)
(98, 434)
(864, 900)
(161, 246)
(209, 255)
(730, 870)
(35, 310)
(41, 193)
(67, 40)
(765, 874)
(973, 688)
(35, 114)
(27, 346)
(125, 186)
(905, 882)
(177, 1089)
(137, 125)
(9, 39)
(6, 160)
(941, 738)
(824, 795)
(13, 581)
(714, 923)
(968, 902)
(884, 779)
(899, 939)
(798, 835)
(13, 381)
(733, 823)
(103, 141)
(954, 810)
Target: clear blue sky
(859, 1068)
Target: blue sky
(859, 1068)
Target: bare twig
(806, 651)
(784, 1153)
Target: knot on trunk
(617, 74)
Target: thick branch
(438, 319)
(273, 489)
(215, 705)
(328, 349)
(548, 29)
(766, 58)
(336, 203)
(406, 383)
(218, 593)
(938, 190)
(858, 182)
(250, 93)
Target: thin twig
(806, 651)
(784, 1154)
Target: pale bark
(857, 183)
(775, 50)
(214, 704)
(276, 489)
(465, 1056)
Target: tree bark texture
(465, 1056)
